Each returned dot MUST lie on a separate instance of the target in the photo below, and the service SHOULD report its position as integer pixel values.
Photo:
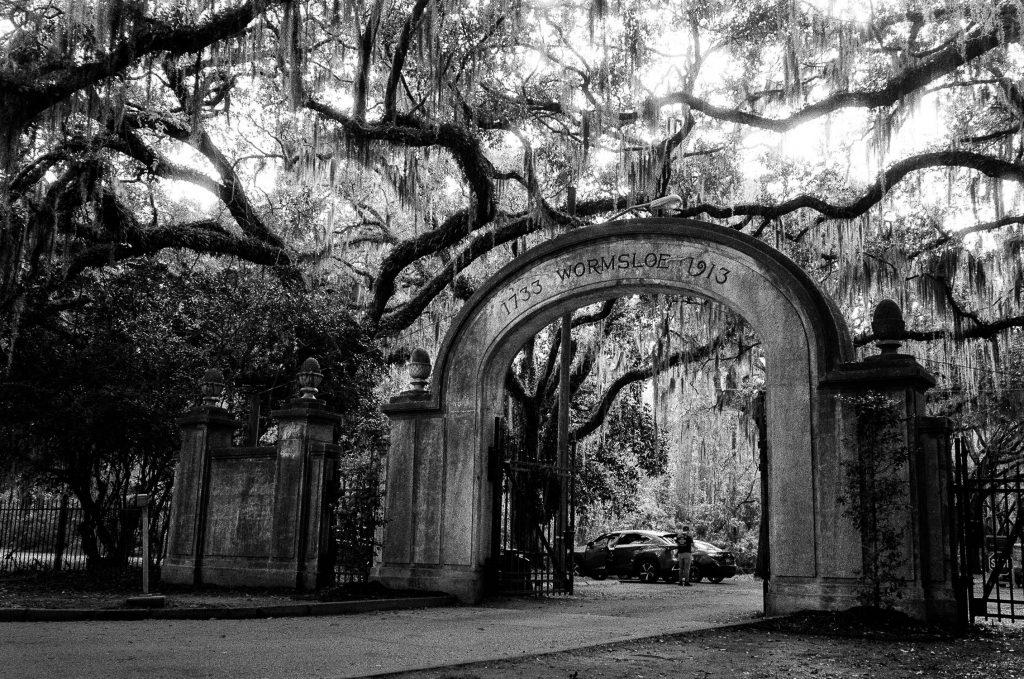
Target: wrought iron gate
(989, 502)
(534, 522)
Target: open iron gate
(534, 524)
(989, 503)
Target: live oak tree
(396, 152)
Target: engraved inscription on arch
(696, 267)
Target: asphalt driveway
(372, 643)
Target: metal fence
(43, 535)
(989, 500)
(357, 516)
(532, 543)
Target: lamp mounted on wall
(663, 203)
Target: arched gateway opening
(440, 476)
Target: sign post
(141, 502)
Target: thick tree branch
(515, 389)
(957, 236)
(406, 314)
(398, 60)
(367, 41)
(663, 153)
(550, 361)
(25, 93)
(406, 130)
(32, 172)
(204, 237)
(607, 307)
(545, 385)
(960, 313)
(954, 55)
(992, 136)
(416, 132)
(987, 165)
(229, 189)
(134, 147)
(582, 369)
(984, 330)
(597, 415)
(23, 242)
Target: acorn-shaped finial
(888, 326)
(419, 370)
(310, 378)
(212, 386)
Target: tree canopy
(392, 153)
(412, 139)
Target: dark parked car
(648, 555)
(711, 562)
(644, 554)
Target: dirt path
(744, 653)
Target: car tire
(647, 571)
(715, 580)
(695, 574)
(601, 574)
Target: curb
(240, 613)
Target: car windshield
(705, 546)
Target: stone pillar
(429, 511)
(207, 427)
(939, 563)
(306, 470)
(928, 557)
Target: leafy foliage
(874, 498)
(94, 394)
(613, 468)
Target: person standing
(684, 554)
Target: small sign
(138, 501)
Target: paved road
(370, 643)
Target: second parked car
(649, 555)
(711, 562)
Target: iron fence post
(62, 534)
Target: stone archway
(438, 501)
